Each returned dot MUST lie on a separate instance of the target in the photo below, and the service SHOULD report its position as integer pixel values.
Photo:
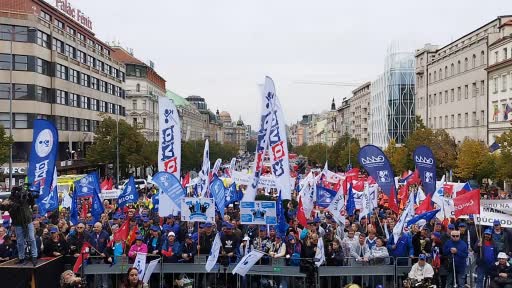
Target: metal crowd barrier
(277, 271)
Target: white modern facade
(392, 100)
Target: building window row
(469, 63)
(502, 83)
(474, 91)
(13, 33)
(84, 102)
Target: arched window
(435, 76)
(466, 64)
(482, 58)
(458, 66)
(137, 87)
(440, 74)
(474, 61)
(452, 68)
(445, 71)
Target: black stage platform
(45, 274)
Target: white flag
(216, 166)
(337, 207)
(366, 202)
(320, 252)
(140, 264)
(420, 196)
(399, 227)
(214, 253)
(169, 144)
(247, 262)
(66, 200)
(149, 270)
(204, 174)
(232, 166)
(446, 206)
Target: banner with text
(197, 209)
(258, 212)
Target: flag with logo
(282, 226)
(87, 186)
(216, 167)
(426, 165)
(41, 163)
(337, 207)
(204, 174)
(278, 146)
(232, 166)
(320, 252)
(84, 255)
(170, 193)
(51, 201)
(151, 268)
(140, 264)
(427, 216)
(169, 144)
(351, 204)
(248, 261)
(467, 204)
(407, 213)
(129, 194)
(217, 190)
(263, 137)
(324, 196)
(214, 253)
(379, 168)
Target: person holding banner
(486, 253)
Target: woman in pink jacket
(138, 247)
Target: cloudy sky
(222, 49)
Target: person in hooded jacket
(486, 253)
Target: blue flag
(282, 226)
(129, 194)
(427, 216)
(217, 191)
(231, 194)
(324, 196)
(171, 192)
(426, 165)
(88, 186)
(156, 202)
(41, 162)
(375, 162)
(351, 203)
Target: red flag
(358, 186)
(301, 217)
(110, 184)
(132, 235)
(467, 204)
(448, 189)
(415, 178)
(123, 232)
(104, 184)
(392, 201)
(425, 206)
(371, 180)
(186, 180)
(83, 254)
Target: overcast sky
(222, 49)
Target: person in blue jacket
(456, 251)
(486, 253)
(401, 247)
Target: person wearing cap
(500, 237)
(245, 246)
(76, 240)
(206, 238)
(447, 235)
(421, 270)
(485, 252)
(171, 248)
(56, 245)
(278, 247)
(229, 243)
(501, 272)
(457, 251)
(138, 247)
(154, 241)
(188, 249)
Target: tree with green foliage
(474, 161)
(398, 156)
(6, 142)
(504, 156)
(131, 144)
(251, 146)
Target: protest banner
(258, 212)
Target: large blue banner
(89, 186)
(217, 191)
(375, 162)
(426, 165)
(324, 196)
(41, 165)
(129, 194)
(171, 193)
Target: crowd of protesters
(446, 251)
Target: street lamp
(11, 68)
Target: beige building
(343, 117)
(143, 89)
(500, 83)
(451, 90)
(61, 72)
(360, 113)
(192, 127)
(233, 132)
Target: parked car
(139, 183)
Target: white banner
(214, 253)
(320, 252)
(278, 146)
(337, 207)
(149, 270)
(197, 209)
(109, 194)
(169, 144)
(140, 264)
(247, 262)
(266, 181)
(204, 174)
(491, 210)
(258, 212)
